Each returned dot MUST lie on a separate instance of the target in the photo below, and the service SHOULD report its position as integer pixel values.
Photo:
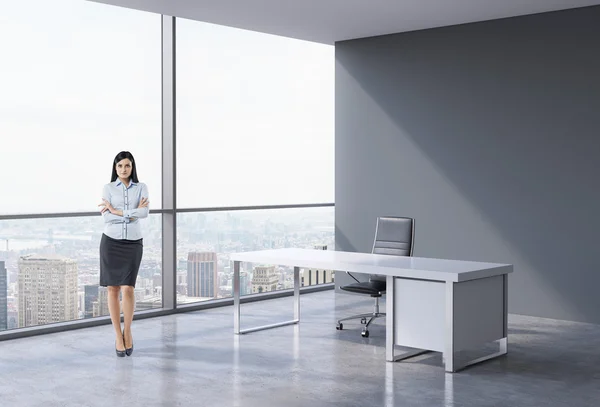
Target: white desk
(431, 304)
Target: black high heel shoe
(120, 353)
(128, 351)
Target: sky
(81, 81)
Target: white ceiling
(328, 21)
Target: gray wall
(488, 134)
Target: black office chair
(394, 236)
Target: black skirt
(119, 261)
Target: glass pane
(205, 241)
(79, 82)
(49, 270)
(255, 118)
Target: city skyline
(222, 233)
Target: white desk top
(398, 266)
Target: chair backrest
(394, 236)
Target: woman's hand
(106, 206)
(143, 203)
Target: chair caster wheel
(365, 334)
(339, 326)
(363, 321)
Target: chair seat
(373, 288)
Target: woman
(124, 202)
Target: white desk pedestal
(446, 317)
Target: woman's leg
(115, 314)
(128, 306)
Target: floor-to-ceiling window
(79, 82)
(255, 128)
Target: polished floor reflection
(193, 359)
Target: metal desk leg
(236, 297)
(297, 294)
(236, 303)
(390, 332)
(449, 331)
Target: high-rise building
(47, 288)
(316, 276)
(181, 286)
(264, 279)
(3, 297)
(157, 280)
(202, 278)
(13, 319)
(100, 306)
(245, 288)
(91, 296)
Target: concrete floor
(194, 359)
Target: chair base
(363, 319)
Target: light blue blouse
(125, 199)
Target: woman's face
(124, 168)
